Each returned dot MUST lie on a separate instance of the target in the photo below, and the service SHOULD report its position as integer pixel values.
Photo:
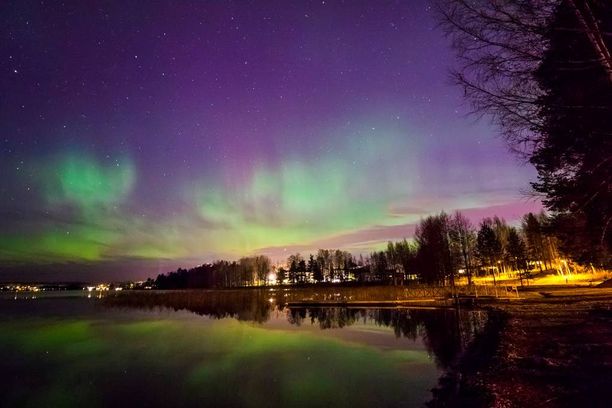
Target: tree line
(445, 247)
(247, 271)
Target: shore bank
(551, 348)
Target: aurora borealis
(137, 138)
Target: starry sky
(137, 137)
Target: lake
(221, 349)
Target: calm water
(221, 351)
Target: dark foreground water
(252, 352)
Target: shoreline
(554, 350)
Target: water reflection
(249, 348)
(242, 305)
(444, 332)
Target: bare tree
(463, 241)
(500, 45)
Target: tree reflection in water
(445, 332)
(243, 305)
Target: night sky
(137, 137)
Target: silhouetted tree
(295, 267)
(315, 268)
(301, 271)
(573, 157)
(488, 247)
(433, 256)
(401, 256)
(281, 275)
(517, 252)
(535, 238)
(262, 266)
(379, 266)
(463, 242)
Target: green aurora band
(92, 210)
